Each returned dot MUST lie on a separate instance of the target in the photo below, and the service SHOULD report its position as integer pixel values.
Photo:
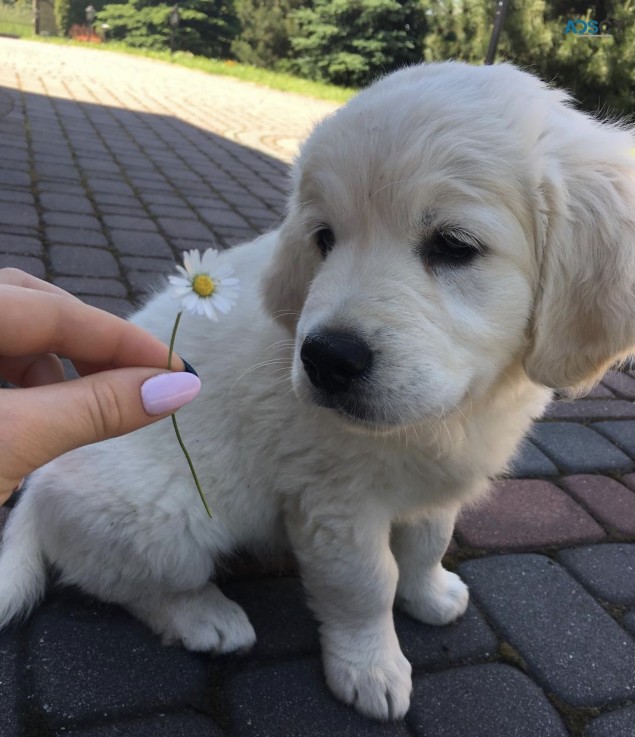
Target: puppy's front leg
(351, 577)
(426, 590)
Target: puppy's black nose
(333, 360)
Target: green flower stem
(176, 427)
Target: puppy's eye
(451, 248)
(325, 239)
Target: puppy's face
(412, 262)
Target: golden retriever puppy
(458, 241)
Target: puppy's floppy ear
(286, 282)
(584, 316)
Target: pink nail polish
(167, 392)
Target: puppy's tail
(22, 565)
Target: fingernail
(167, 392)
(188, 367)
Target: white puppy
(457, 240)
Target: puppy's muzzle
(334, 360)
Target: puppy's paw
(204, 620)
(379, 688)
(440, 599)
(217, 631)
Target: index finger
(17, 278)
(34, 321)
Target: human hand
(124, 386)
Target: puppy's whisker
(284, 362)
(289, 343)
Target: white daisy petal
(210, 265)
(209, 260)
(209, 311)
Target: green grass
(9, 28)
(256, 75)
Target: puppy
(458, 241)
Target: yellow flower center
(203, 285)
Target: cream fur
(463, 357)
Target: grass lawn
(264, 77)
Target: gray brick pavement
(109, 167)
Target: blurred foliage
(351, 42)
(266, 30)
(206, 27)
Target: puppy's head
(448, 224)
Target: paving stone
(523, 514)
(18, 214)
(66, 203)
(72, 220)
(425, 646)
(77, 648)
(8, 683)
(529, 461)
(138, 243)
(14, 178)
(130, 222)
(620, 383)
(223, 217)
(591, 409)
(570, 644)
(169, 211)
(105, 199)
(608, 571)
(47, 171)
(80, 261)
(21, 245)
(185, 228)
(76, 236)
(292, 700)
(622, 433)
(12, 230)
(578, 449)
(84, 285)
(20, 196)
(618, 723)
(491, 700)
(151, 264)
(30, 264)
(110, 186)
(609, 501)
(629, 480)
(278, 612)
(161, 725)
(600, 391)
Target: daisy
(205, 284)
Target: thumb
(41, 423)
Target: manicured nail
(188, 367)
(167, 392)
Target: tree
(351, 42)
(266, 27)
(600, 72)
(458, 30)
(207, 27)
